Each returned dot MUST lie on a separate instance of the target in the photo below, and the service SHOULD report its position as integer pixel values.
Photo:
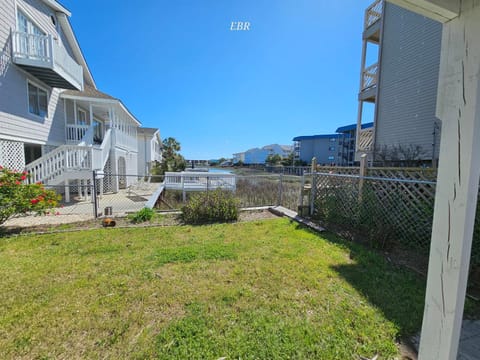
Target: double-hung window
(37, 100)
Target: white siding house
(259, 155)
(149, 149)
(54, 122)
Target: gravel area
(29, 221)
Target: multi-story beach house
(54, 122)
(399, 79)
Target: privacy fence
(387, 206)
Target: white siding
(15, 120)
(410, 58)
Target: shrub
(212, 206)
(143, 215)
(17, 197)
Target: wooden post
(363, 173)
(458, 106)
(67, 192)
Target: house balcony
(373, 15)
(365, 140)
(368, 90)
(45, 59)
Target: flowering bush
(18, 197)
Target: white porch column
(458, 106)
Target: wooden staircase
(70, 162)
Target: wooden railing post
(363, 173)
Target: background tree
(273, 159)
(288, 161)
(171, 158)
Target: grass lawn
(257, 290)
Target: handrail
(26, 45)
(75, 133)
(87, 138)
(101, 153)
(365, 140)
(373, 13)
(56, 162)
(370, 76)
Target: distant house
(325, 148)
(259, 155)
(149, 149)
(401, 82)
(239, 157)
(348, 135)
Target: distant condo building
(329, 149)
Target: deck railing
(75, 133)
(373, 13)
(57, 162)
(195, 181)
(365, 140)
(369, 76)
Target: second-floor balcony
(47, 60)
(369, 83)
(371, 23)
(365, 140)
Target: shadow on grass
(397, 292)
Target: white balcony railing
(373, 13)
(75, 133)
(42, 51)
(195, 181)
(370, 76)
(52, 166)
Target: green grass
(259, 290)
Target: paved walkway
(469, 348)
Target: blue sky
(177, 66)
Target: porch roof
(89, 93)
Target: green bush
(212, 206)
(143, 215)
(19, 198)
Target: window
(331, 148)
(333, 139)
(331, 158)
(37, 100)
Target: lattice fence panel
(12, 155)
(403, 173)
(108, 180)
(344, 170)
(397, 211)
